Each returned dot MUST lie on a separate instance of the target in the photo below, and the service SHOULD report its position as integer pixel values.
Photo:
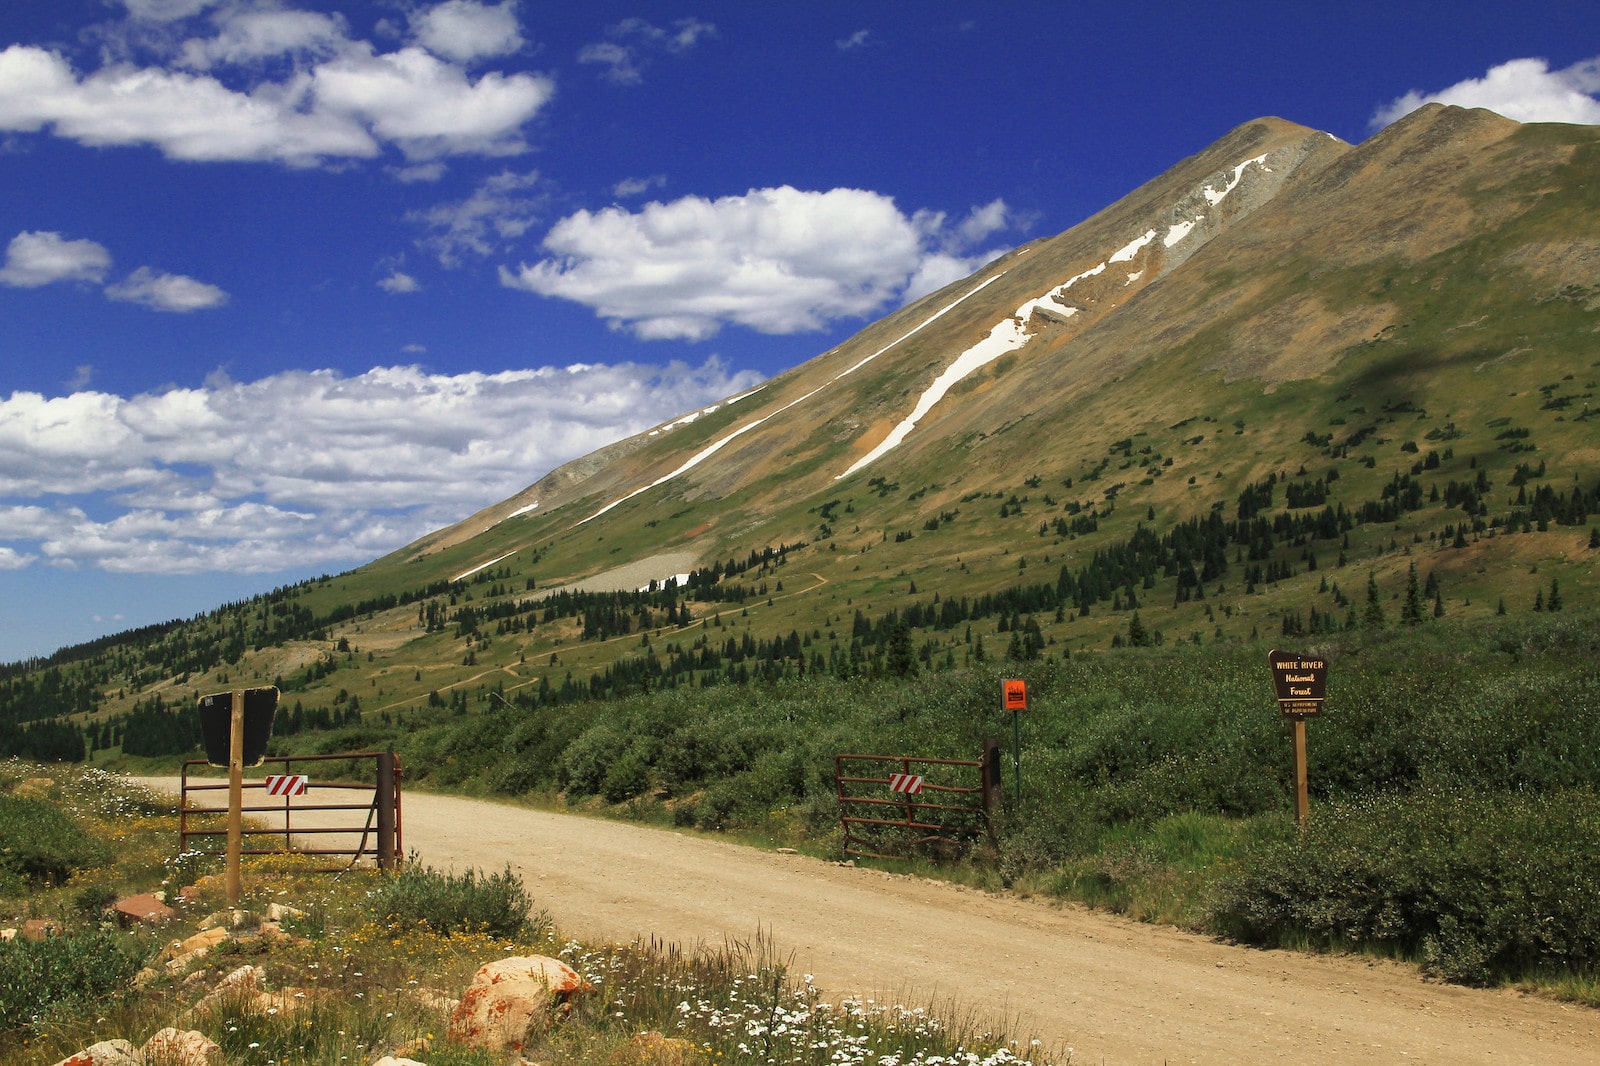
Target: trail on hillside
(1113, 991)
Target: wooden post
(386, 812)
(1302, 793)
(235, 797)
(992, 788)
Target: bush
(40, 844)
(470, 902)
(1478, 887)
(63, 973)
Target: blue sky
(288, 284)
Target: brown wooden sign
(1300, 681)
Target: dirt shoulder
(1114, 991)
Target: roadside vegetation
(375, 958)
(1454, 773)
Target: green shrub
(64, 973)
(40, 844)
(1478, 886)
(469, 902)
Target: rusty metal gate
(306, 815)
(936, 806)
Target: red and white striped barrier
(286, 784)
(910, 784)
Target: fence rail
(950, 808)
(379, 837)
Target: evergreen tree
(1138, 636)
(1554, 602)
(1373, 619)
(1411, 612)
(901, 660)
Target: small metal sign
(1300, 682)
(910, 784)
(286, 784)
(1014, 695)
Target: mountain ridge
(1284, 369)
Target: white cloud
(628, 188)
(430, 108)
(189, 117)
(248, 36)
(304, 469)
(499, 210)
(464, 30)
(776, 260)
(166, 292)
(634, 42)
(399, 282)
(40, 258)
(420, 172)
(1526, 90)
(856, 40)
(11, 559)
(334, 98)
(166, 10)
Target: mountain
(1289, 385)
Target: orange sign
(1014, 695)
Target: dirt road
(1114, 991)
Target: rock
(202, 941)
(144, 907)
(187, 951)
(392, 1060)
(277, 912)
(8, 934)
(433, 999)
(510, 1000)
(241, 986)
(176, 1047)
(39, 928)
(105, 1053)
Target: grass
(366, 960)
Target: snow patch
(711, 449)
(1214, 196)
(522, 510)
(1126, 253)
(1007, 336)
(696, 415)
(681, 579)
(484, 566)
(1178, 231)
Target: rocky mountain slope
(1290, 384)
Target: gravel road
(1114, 991)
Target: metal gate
(892, 806)
(307, 816)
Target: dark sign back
(216, 714)
(1300, 681)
